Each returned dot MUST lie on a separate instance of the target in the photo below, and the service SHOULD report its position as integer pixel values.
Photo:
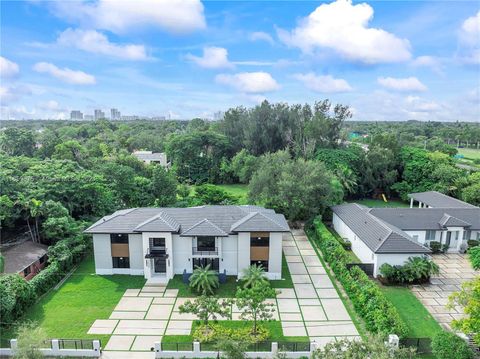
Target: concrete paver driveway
(312, 308)
(454, 270)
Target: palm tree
(253, 275)
(204, 280)
(420, 268)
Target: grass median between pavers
(68, 313)
(418, 320)
(228, 289)
(169, 342)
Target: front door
(449, 238)
(160, 265)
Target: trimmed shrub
(474, 256)
(46, 279)
(415, 270)
(473, 243)
(215, 332)
(16, 295)
(435, 246)
(369, 301)
(446, 345)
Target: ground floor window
(203, 262)
(121, 262)
(27, 271)
(264, 264)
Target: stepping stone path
(454, 270)
(312, 308)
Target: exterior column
(411, 202)
(420, 204)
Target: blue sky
(388, 60)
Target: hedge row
(16, 294)
(369, 301)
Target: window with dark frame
(206, 243)
(27, 271)
(203, 262)
(430, 235)
(116, 238)
(264, 264)
(121, 262)
(259, 241)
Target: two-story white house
(391, 235)
(161, 242)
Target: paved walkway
(454, 270)
(312, 308)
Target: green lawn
(380, 203)
(274, 328)
(419, 322)
(69, 312)
(228, 289)
(469, 153)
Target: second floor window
(259, 241)
(119, 238)
(206, 243)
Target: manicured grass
(274, 329)
(470, 153)
(369, 202)
(228, 289)
(239, 190)
(419, 322)
(69, 312)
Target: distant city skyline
(387, 60)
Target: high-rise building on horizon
(76, 115)
(115, 114)
(99, 114)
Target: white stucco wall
(358, 247)
(275, 256)
(182, 252)
(148, 264)
(392, 259)
(135, 246)
(102, 251)
(243, 251)
(229, 255)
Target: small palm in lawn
(254, 275)
(204, 280)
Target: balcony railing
(205, 251)
(156, 253)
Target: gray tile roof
(155, 156)
(428, 218)
(20, 256)
(378, 236)
(449, 221)
(436, 199)
(220, 219)
(204, 228)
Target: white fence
(57, 349)
(196, 352)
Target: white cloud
(469, 36)
(66, 75)
(178, 16)
(261, 36)
(213, 58)
(431, 62)
(8, 69)
(343, 28)
(324, 83)
(417, 104)
(249, 82)
(12, 93)
(97, 43)
(409, 84)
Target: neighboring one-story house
(161, 242)
(27, 259)
(373, 240)
(152, 157)
(391, 235)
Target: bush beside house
(369, 301)
(416, 270)
(474, 256)
(446, 345)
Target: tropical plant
(30, 339)
(207, 307)
(232, 349)
(469, 299)
(419, 268)
(435, 246)
(252, 303)
(474, 256)
(446, 345)
(373, 347)
(253, 275)
(204, 280)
